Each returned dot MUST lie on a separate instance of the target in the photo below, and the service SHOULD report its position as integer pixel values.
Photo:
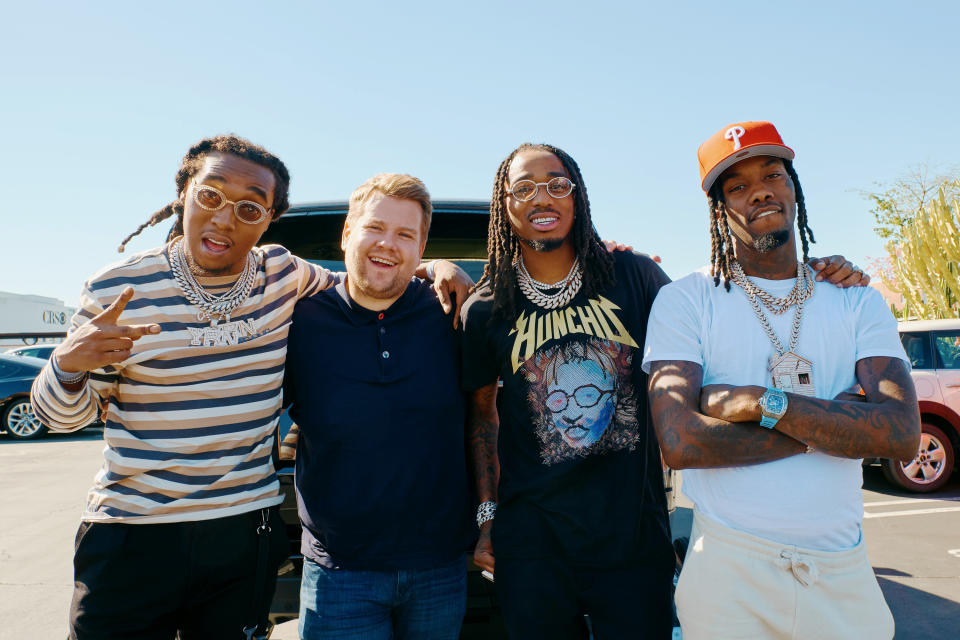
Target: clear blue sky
(101, 100)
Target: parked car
(458, 232)
(34, 351)
(16, 378)
(933, 347)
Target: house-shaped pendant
(793, 373)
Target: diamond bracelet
(485, 512)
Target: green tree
(896, 205)
(924, 249)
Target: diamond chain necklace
(213, 308)
(802, 289)
(532, 289)
(800, 293)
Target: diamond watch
(773, 404)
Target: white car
(933, 347)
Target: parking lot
(914, 541)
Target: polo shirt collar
(361, 315)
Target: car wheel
(20, 422)
(931, 467)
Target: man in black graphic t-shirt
(580, 522)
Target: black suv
(458, 232)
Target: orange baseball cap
(735, 142)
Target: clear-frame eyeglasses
(524, 190)
(212, 199)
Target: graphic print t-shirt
(580, 471)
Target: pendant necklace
(215, 308)
(789, 371)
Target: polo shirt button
(380, 317)
(385, 354)
(383, 330)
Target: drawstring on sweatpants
(803, 568)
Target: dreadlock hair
(503, 245)
(193, 161)
(721, 240)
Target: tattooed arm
(886, 425)
(690, 439)
(483, 425)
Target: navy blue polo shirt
(381, 468)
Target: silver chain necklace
(212, 307)
(533, 289)
(802, 289)
(789, 371)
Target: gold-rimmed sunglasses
(212, 199)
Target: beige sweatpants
(736, 585)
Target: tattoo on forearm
(690, 439)
(886, 425)
(484, 427)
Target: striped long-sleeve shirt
(190, 415)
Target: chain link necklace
(801, 291)
(212, 307)
(786, 367)
(534, 290)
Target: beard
(543, 246)
(771, 241)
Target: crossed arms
(718, 425)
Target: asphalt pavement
(913, 541)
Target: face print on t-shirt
(581, 394)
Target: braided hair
(721, 240)
(193, 161)
(503, 245)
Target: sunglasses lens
(524, 190)
(559, 187)
(250, 211)
(209, 197)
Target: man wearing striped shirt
(181, 350)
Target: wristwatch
(773, 404)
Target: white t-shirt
(807, 500)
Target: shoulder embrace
(276, 252)
(478, 303)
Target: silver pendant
(221, 335)
(793, 373)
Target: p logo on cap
(734, 133)
(735, 142)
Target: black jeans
(149, 581)
(545, 598)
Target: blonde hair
(395, 185)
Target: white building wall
(31, 314)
